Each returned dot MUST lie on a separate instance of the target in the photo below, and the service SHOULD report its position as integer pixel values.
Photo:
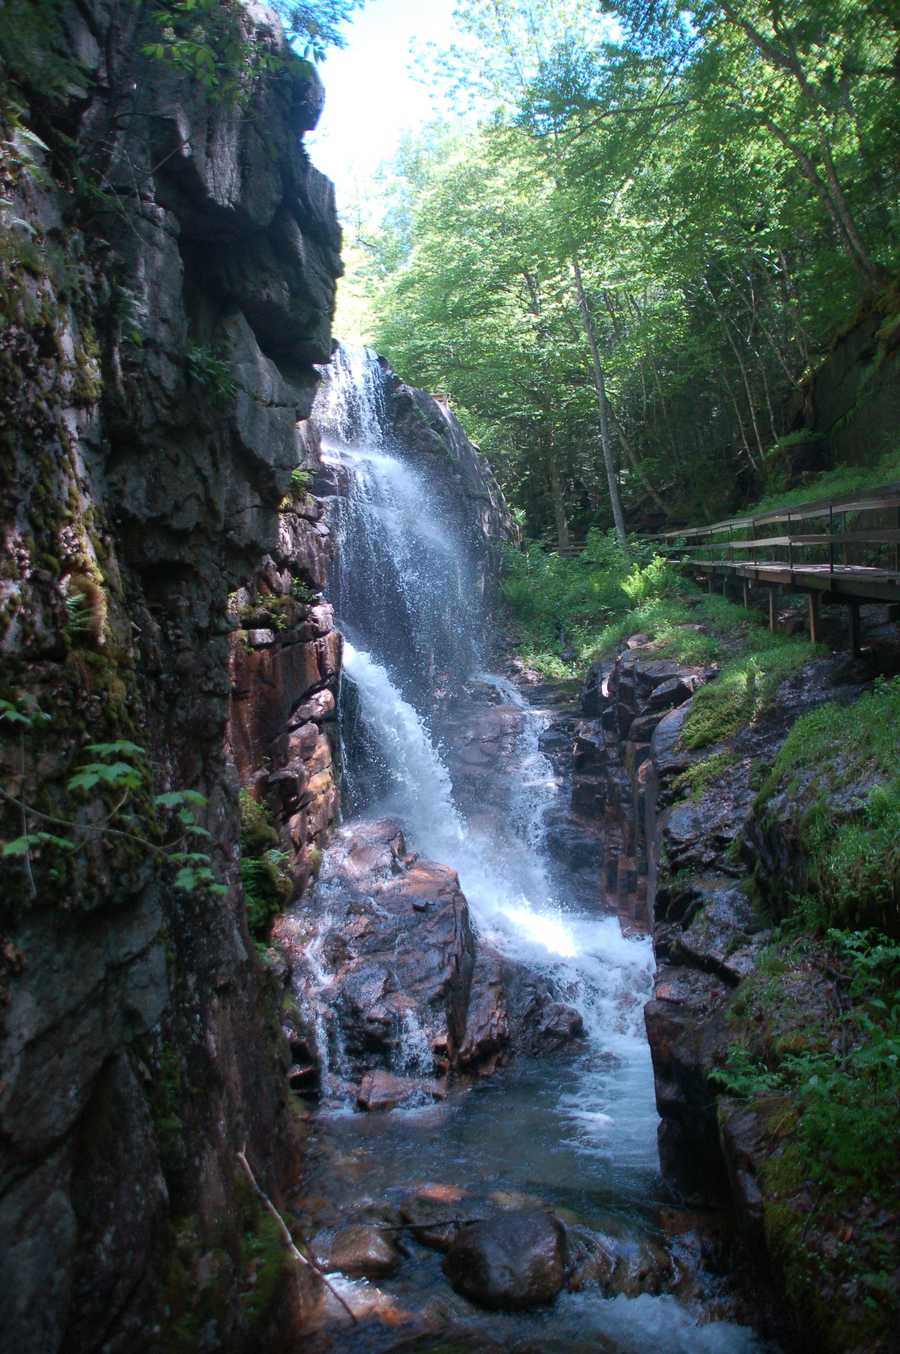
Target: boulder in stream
(380, 1090)
(364, 1251)
(400, 980)
(510, 1262)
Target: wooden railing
(736, 543)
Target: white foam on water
(658, 1323)
(403, 591)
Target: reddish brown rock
(362, 1251)
(511, 1262)
(381, 1090)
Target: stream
(571, 1130)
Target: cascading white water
(403, 598)
(397, 591)
(350, 402)
(417, 784)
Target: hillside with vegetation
(355, 997)
(626, 274)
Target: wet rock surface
(154, 372)
(716, 872)
(512, 1262)
(364, 1251)
(406, 990)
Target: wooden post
(772, 610)
(854, 627)
(790, 545)
(813, 599)
(746, 591)
(710, 580)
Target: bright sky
(370, 96)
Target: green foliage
(78, 616)
(301, 479)
(212, 42)
(843, 760)
(699, 777)
(264, 1259)
(847, 1095)
(264, 867)
(565, 605)
(212, 371)
(685, 162)
(834, 484)
(119, 769)
(573, 609)
(303, 593)
(315, 25)
(744, 688)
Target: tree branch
(286, 1235)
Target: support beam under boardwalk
(853, 608)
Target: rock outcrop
(713, 872)
(512, 1261)
(425, 427)
(164, 302)
(390, 987)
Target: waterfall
(401, 595)
(580, 1128)
(416, 782)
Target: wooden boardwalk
(736, 543)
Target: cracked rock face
(385, 951)
(155, 379)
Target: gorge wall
(168, 262)
(700, 852)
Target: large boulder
(364, 1251)
(395, 949)
(510, 1262)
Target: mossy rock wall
(167, 269)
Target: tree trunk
(587, 320)
(635, 465)
(559, 507)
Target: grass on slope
(842, 761)
(573, 610)
(836, 483)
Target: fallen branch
(286, 1236)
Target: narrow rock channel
(467, 1018)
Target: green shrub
(847, 1093)
(832, 483)
(264, 867)
(851, 837)
(570, 608)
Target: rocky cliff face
(692, 846)
(168, 266)
(425, 427)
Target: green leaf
(14, 716)
(121, 747)
(172, 798)
(20, 846)
(32, 137)
(95, 773)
